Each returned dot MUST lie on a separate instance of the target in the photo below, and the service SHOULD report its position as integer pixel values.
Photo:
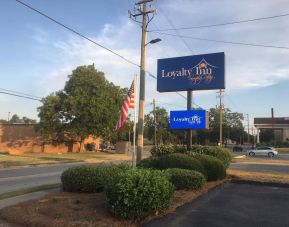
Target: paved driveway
(233, 205)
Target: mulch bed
(75, 209)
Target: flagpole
(134, 125)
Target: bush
(162, 149)
(180, 149)
(137, 193)
(185, 179)
(180, 161)
(89, 178)
(223, 154)
(215, 170)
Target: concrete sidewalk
(26, 197)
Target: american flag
(129, 102)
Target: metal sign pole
(189, 107)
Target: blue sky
(36, 55)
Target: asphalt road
(279, 157)
(233, 205)
(260, 167)
(15, 179)
(282, 168)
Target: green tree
(14, 119)
(88, 105)
(28, 120)
(164, 134)
(232, 125)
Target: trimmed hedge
(137, 193)
(162, 149)
(223, 154)
(89, 178)
(180, 161)
(215, 170)
(185, 179)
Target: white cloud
(246, 67)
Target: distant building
(22, 138)
(278, 125)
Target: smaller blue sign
(188, 119)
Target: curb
(260, 183)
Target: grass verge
(261, 160)
(32, 159)
(258, 176)
(28, 190)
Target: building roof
(269, 120)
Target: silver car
(262, 151)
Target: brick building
(22, 138)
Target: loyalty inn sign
(197, 72)
(189, 119)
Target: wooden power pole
(141, 10)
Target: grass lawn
(33, 159)
(7, 160)
(261, 160)
(284, 150)
(260, 176)
(75, 209)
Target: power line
(83, 36)
(77, 33)
(224, 24)
(21, 96)
(169, 104)
(21, 93)
(176, 31)
(222, 41)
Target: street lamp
(154, 41)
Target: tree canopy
(88, 105)
(232, 128)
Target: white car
(262, 151)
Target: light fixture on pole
(153, 41)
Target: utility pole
(155, 123)
(248, 128)
(190, 131)
(221, 107)
(253, 136)
(141, 8)
(8, 116)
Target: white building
(279, 125)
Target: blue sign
(197, 72)
(189, 119)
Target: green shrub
(180, 149)
(162, 149)
(89, 178)
(185, 179)
(223, 154)
(180, 161)
(215, 170)
(137, 193)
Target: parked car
(262, 151)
